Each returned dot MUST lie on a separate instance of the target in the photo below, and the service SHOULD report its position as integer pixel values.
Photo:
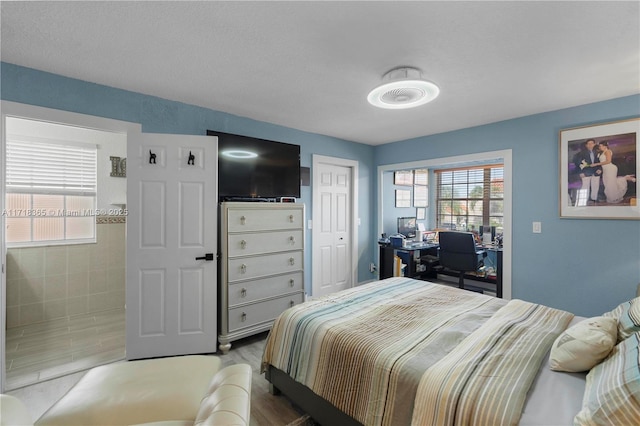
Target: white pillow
(584, 345)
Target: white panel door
(172, 203)
(332, 266)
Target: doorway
(386, 197)
(64, 298)
(335, 220)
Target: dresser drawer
(264, 242)
(244, 220)
(246, 268)
(250, 315)
(250, 291)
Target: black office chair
(458, 252)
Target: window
(470, 197)
(51, 191)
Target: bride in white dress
(614, 186)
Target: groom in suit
(590, 175)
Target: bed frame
(320, 410)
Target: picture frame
(421, 177)
(403, 178)
(603, 191)
(403, 198)
(421, 213)
(420, 196)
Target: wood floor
(266, 409)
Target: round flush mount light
(403, 88)
(236, 153)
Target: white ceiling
(310, 65)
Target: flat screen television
(253, 169)
(407, 226)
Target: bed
(406, 352)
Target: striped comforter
(401, 351)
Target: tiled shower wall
(46, 283)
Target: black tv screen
(256, 168)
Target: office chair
(458, 252)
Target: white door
(171, 227)
(333, 226)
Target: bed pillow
(584, 345)
(612, 391)
(628, 316)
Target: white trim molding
(481, 157)
(30, 112)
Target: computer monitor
(407, 226)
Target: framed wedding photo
(599, 171)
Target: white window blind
(37, 166)
(470, 197)
(51, 191)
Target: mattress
(375, 380)
(554, 397)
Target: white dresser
(261, 266)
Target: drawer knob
(243, 244)
(244, 317)
(243, 268)
(292, 240)
(291, 218)
(291, 282)
(292, 261)
(243, 220)
(291, 303)
(243, 292)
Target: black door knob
(207, 257)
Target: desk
(410, 256)
(419, 251)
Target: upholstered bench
(177, 391)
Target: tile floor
(47, 350)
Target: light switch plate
(537, 227)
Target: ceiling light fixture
(403, 88)
(237, 153)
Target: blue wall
(584, 266)
(32, 87)
(391, 212)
